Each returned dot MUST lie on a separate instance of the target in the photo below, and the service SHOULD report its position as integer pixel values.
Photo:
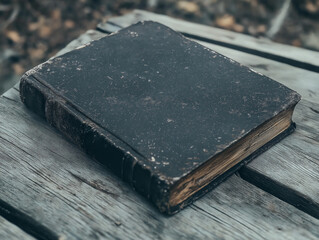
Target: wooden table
(50, 189)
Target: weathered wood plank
(96, 182)
(10, 231)
(296, 176)
(258, 46)
(306, 117)
(25, 222)
(290, 170)
(53, 181)
(304, 81)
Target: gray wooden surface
(290, 169)
(51, 180)
(47, 178)
(284, 171)
(10, 231)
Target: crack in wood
(314, 110)
(208, 214)
(8, 98)
(94, 184)
(231, 217)
(15, 87)
(260, 66)
(15, 145)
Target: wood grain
(290, 170)
(291, 177)
(49, 179)
(54, 182)
(303, 81)
(282, 183)
(258, 46)
(10, 231)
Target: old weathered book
(164, 113)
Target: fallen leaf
(261, 28)
(296, 43)
(69, 24)
(18, 68)
(226, 21)
(238, 27)
(33, 26)
(56, 14)
(14, 36)
(311, 7)
(189, 7)
(45, 31)
(36, 53)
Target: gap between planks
(25, 223)
(10, 231)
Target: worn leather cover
(153, 105)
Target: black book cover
(155, 107)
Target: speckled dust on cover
(171, 101)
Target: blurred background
(31, 31)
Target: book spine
(95, 141)
(31, 96)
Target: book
(166, 114)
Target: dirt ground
(32, 31)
